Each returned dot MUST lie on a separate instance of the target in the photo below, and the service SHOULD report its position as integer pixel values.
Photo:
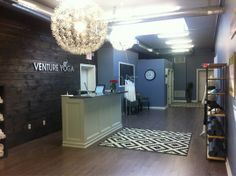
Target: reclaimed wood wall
(32, 96)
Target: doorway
(201, 82)
(87, 77)
(169, 74)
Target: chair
(143, 101)
(132, 107)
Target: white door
(202, 82)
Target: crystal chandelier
(78, 27)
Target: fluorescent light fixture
(122, 14)
(155, 27)
(26, 4)
(129, 22)
(173, 35)
(179, 41)
(182, 46)
(34, 6)
(180, 50)
(150, 49)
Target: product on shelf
(2, 135)
(1, 150)
(213, 105)
(216, 148)
(1, 147)
(215, 128)
(1, 117)
(1, 153)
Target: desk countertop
(93, 95)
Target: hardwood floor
(46, 156)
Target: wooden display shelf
(216, 79)
(215, 137)
(220, 114)
(214, 157)
(216, 65)
(217, 93)
(216, 112)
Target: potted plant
(113, 85)
(189, 92)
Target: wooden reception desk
(86, 119)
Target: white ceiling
(202, 28)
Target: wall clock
(150, 75)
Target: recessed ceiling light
(179, 41)
(182, 46)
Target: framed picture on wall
(126, 71)
(232, 75)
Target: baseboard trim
(228, 168)
(183, 101)
(157, 107)
(179, 101)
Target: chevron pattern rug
(150, 140)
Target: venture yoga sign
(49, 67)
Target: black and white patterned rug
(150, 140)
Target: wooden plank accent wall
(32, 96)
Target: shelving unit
(215, 113)
(3, 147)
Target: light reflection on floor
(190, 105)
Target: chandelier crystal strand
(78, 27)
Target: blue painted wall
(155, 89)
(105, 65)
(108, 63)
(224, 50)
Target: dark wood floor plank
(46, 156)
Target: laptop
(100, 89)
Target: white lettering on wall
(48, 67)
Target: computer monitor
(100, 89)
